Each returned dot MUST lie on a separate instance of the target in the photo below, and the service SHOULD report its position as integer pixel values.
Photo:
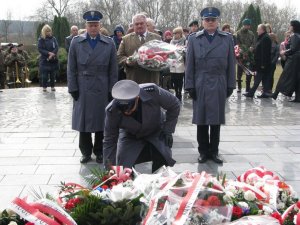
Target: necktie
(142, 39)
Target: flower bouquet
(190, 200)
(157, 55)
(245, 58)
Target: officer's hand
(192, 93)
(168, 138)
(75, 95)
(229, 92)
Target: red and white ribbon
(31, 214)
(188, 201)
(257, 174)
(50, 208)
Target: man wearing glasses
(210, 79)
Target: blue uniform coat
(92, 72)
(125, 137)
(210, 69)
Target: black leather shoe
(274, 96)
(263, 96)
(217, 159)
(84, 159)
(248, 95)
(202, 158)
(99, 159)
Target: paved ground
(39, 149)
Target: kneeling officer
(136, 129)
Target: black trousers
(208, 137)
(2, 80)
(150, 153)
(177, 81)
(86, 145)
(239, 75)
(263, 77)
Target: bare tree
(59, 6)
(111, 10)
(5, 24)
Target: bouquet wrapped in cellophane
(157, 55)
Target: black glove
(229, 92)
(75, 95)
(110, 98)
(192, 93)
(167, 137)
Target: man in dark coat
(74, 32)
(136, 129)
(92, 71)
(210, 78)
(262, 58)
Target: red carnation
(104, 187)
(237, 212)
(214, 201)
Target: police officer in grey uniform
(136, 129)
(210, 78)
(92, 71)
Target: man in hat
(74, 32)
(130, 44)
(92, 71)
(245, 37)
(22, 52)
(136, 129)
(14, 61)
(210, 79)
(194, 26)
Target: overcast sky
(21, 9)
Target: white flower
(249, 195)
(228, 197)
(118, 193)
(267, 210)
(280, 205)
(284, 197)
(12, 223)
(259, 184)
(243, 205)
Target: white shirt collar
(144, 34)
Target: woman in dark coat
(289, 80)
(48, 48)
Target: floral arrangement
(157, 55)
(123, 196)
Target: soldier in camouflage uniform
(25, 54)
(2, 69)
(10, 61)
(245, 37)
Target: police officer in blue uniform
(136, 129)
(92, 72)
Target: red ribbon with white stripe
(34, 213)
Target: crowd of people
(121, 102)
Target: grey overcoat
(92, 72)
(210, 69)
(125, 137)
